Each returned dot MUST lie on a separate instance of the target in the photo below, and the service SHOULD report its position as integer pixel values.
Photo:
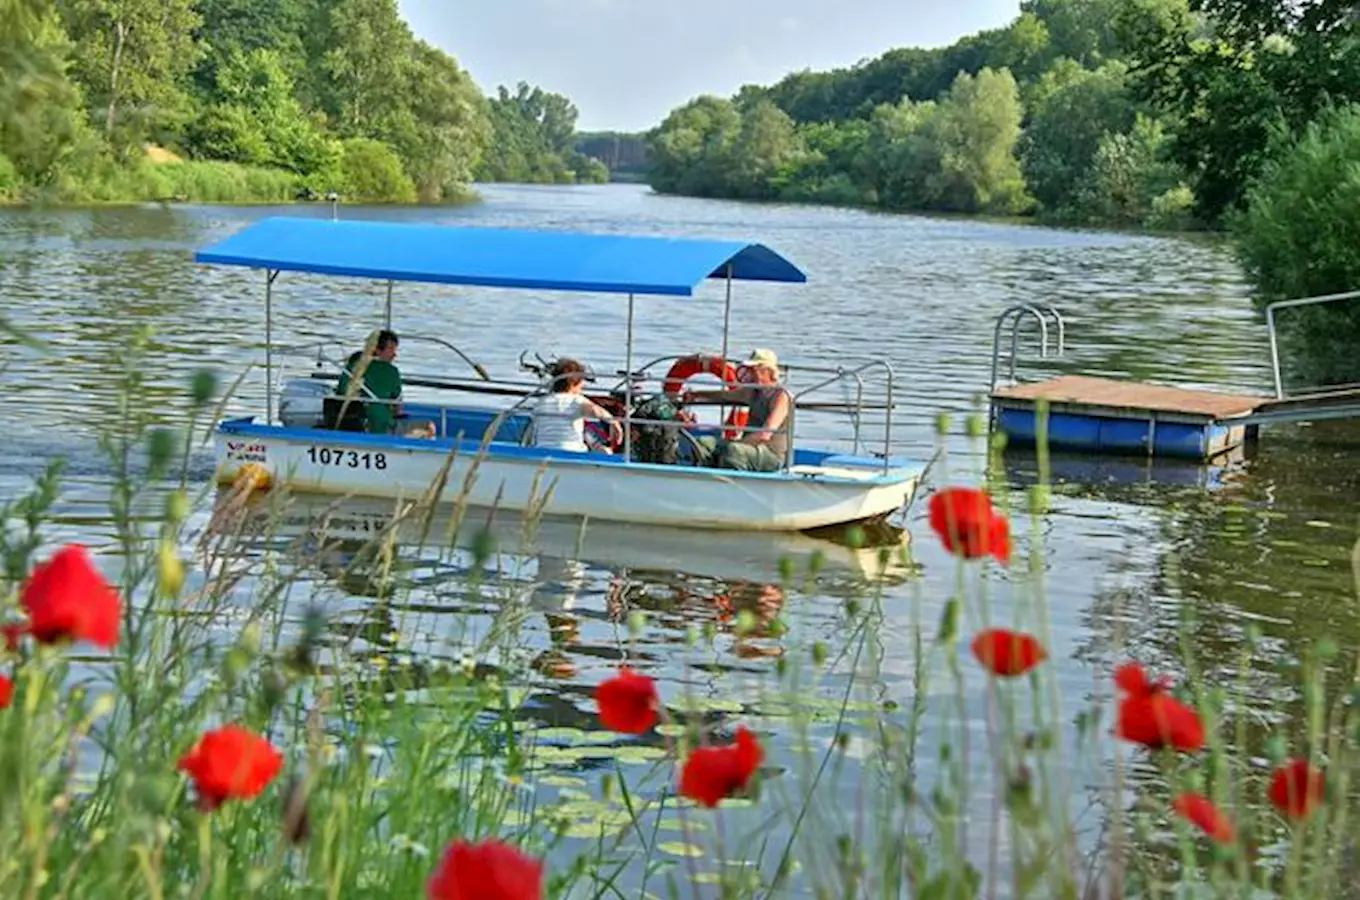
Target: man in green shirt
(381, 378)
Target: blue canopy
(496, 257)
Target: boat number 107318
(349, 459)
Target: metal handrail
(1270, 328)
(840, 374)
(330, 340)
(1018, 311)
(641, 377)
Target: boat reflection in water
(435, 561)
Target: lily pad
(559, 735)
(677, 825)
(714, 704)
(639, 754)
(680, 848)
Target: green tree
(1231, 76)
(369, 63)
(233, 28)
(976, 128)
(444, 129)
(1080, 30)
(259, 120)
(134, 54)
(1299, 236)
(533, 132)
(766, 151)
(42, 120)
(1129, 174)
(691, 148)
(900, 155)
(1072, 112)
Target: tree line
(260, 99)
(1237, 115)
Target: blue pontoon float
(485, 456)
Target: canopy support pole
(270, 275)
(727, 312)
(727, 328)
(387, 319)
(628, 388)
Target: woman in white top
(560, 417)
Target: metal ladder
(1015, 315)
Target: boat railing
(317, 350)
(855, 375)
(860, 393)
(822, 377)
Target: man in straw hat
(764, 444)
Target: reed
(390, 751)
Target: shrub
(1299, 237)
(371, 172)
(9, 178)
(1173, 210)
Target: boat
(483, 456)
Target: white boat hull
(344, 464)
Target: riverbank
(161, 177)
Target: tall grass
(969, 790)
(109, 181)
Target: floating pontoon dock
(1101, 415)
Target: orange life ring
(686, 367)
(736, 421)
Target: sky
(626, 63)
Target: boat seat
(355, 414)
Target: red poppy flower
(230, 762)
(6, 691)
(490, 870)
(1200, 811)
(712, 773)
(969, 525)
(628, 702)
(1150, 716)
(1008, 653)
(1297, 789)
(67, 599)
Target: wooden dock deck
(1107, 416)
(1132, 396)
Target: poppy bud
(297, 826)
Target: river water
(1128, 549)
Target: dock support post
(270, 275)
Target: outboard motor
(301, 402)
